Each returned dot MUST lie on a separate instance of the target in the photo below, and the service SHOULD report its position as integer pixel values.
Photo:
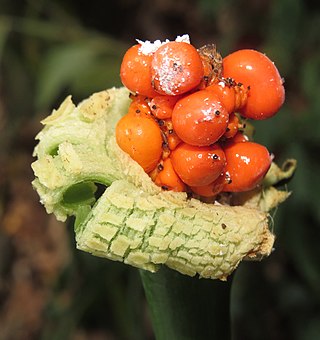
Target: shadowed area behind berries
(49, 50)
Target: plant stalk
(186, 308)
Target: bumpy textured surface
(134, 221)
(148, 230)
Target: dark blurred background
(49, 49)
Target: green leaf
(87, 65)
(5, 28)
(102, 74)
(59, 67)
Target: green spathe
(134, 221)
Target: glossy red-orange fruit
(162, 106)
(198, 166)
(255, 70)
(141, 138)
(211, 189)
(246, 165)
(168, 179)
(233, 126)
(135, 72)
(176, 68)
(226, 95)
(200, 119)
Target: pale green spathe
(134, 221)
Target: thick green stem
(185, 308)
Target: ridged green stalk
(184, 308)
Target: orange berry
(241, 94)
(199, 119)
(233, 126)
(135, 72)
(211, 189)
(139, 106)
(255, 70)
(232, 95)
(238, 138)
(173, 140)
(141, 138)
(162, 106)
(247, 164)
(168, 178)
(176, 68)
(226, 95)
(198, 166)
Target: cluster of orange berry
(184, 124)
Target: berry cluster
(184, 124)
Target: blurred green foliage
(51, 49)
